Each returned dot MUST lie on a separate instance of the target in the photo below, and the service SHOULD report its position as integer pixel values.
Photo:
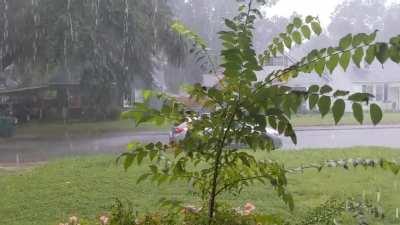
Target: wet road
(30, 149)
(346, 136)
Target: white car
(179, 132)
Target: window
(379, 95)
(367, 88)
(278, 61)
(386, 93)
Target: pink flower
(73, 220)
(191, 209)
(248, 208)
(104, 220)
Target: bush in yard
(242, 108)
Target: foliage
(329, 213)
(89, 184)
(242, 107)
(122, 214)
(108, 44)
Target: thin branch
(296, 66)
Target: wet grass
(59, 129)
(87, 186)
(54, 129)
(314, 119)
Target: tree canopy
(104, 40)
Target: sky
(321, 8)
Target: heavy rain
(230, 97)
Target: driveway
(31, 149)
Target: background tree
(105, 43)
(356, 17)
(204, 18)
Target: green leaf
(357, 40)
(376, 114)
(297, 37)
(382, 52)
(146, 95)
(368, 39)
(288, 198)
(288, 42)
(281, 126)
(230, 24)
(306, 31)
(289, 28)
(272, 122)
(325, 89)
(128, 161)
(313, 100)
(332, 63)
(358, 112)
(319, 66)
(395, 41)
(280, 47)
(338, 110)
(358, 56)
(289, 132)
(316, 27)
(309, 19)
(143, 177)
(346, 42)
(297, 22)
(314, 54)
(360, 97)
(370, 55)
(340, 93)
(313, 89)
(395, 54)
(324, 105)
(345, 60)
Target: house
(382, 81)
(302, 82)
(53, 100)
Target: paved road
(30, 149)
(346, 136)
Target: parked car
(179, 132)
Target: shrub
(242, 107)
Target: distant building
(43, 101)
(302, 82)
(381, 81)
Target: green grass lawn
(348, 119)
(87, 186)
(59, 129)
(47, 129)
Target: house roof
(376, 73)
(306, 80)
(35, 88)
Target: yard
(87, 186)
(44, 129)
(122, 126)
(314, 119)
